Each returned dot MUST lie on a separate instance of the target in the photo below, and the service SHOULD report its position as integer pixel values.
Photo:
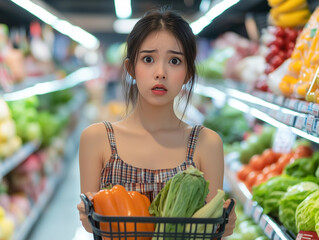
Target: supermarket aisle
(60, 220)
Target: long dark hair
(156, 20)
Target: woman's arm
(211, 160)
(212, 165)
(91, 164)
(91, 157)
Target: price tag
(276, 237)
(284, 140)
(263, 221)
(307, 235)
(309, 123)
(269, 231)
(257, 213)
(249, 207)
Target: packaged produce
(307, 213)
(182, 196)
(119, 202)
(290, 201)
(303, 62)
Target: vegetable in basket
(290, 201)
(213, 209)
(307, 213)
(182, 196)
(119, 202)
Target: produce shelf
(22, 232)
(18, 157)
(271, 228)
(74, 107)
(77, 77)
(301, 117)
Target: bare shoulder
(93, 135)
(209, 139)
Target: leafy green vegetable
(270, 192)
(307, 213)
(182, 196)
(304, 167)
(290, 201)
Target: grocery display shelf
(43, 87)
(22, 232)
(301, 117)
(271, 228)
(55, 179)
(18, 157)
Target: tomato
(251, 179)
(260, 179)
(302, 151)
(285, 159)
(266, 170)
(269, 156)
(275, 168)
(243, 172)
(270, 175)
(257, 162)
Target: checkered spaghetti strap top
(146, 181)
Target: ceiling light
(198, 25)
(76, 33)
(124, 26)
(123, 8)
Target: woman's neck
(155, 118)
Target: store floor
(60, 220)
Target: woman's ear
(128, 67)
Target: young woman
(151, 144)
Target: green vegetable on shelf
(307, 213)
(290, 201)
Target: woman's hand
(83, 217)
(229, 228)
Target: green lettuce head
(292, 198)
(307, 213)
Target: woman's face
(160, 70)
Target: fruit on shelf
(289, 13)
(281, 43)
(9, 141)
(6, 226)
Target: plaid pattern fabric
(146, 181)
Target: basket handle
(87, 204)
(229, 209)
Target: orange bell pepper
(119, 202)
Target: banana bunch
(289, 13)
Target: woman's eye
(148, 59)
(175, 61)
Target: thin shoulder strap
(110, 133)
(192, 143)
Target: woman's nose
(160, 72)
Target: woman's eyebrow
(169, 51)
(147, 51)
(175, 52)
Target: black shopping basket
(169, 228)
